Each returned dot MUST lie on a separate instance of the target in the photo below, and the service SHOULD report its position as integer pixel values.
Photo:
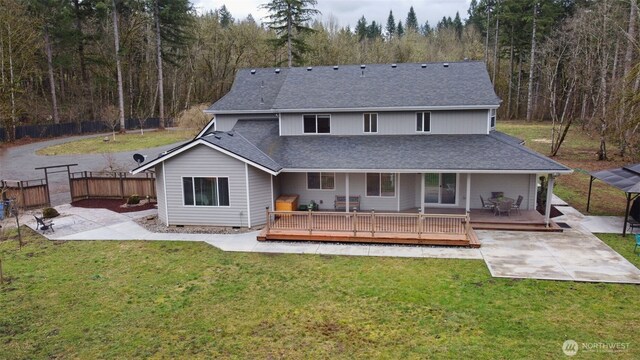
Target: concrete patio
(573, 255)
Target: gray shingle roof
(239, 145)
(393, 152)
(377, 86)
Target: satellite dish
(139, 158)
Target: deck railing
(368, 223)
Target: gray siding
(511, 184)
(227, 122)
(203, 161)
(296, 184)
(396, 123)
(259, 195)
(408, 185)
(160, 193)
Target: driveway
(570, 255)
(19, 163)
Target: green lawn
(578, 152)
(123, 142)
(175, 299)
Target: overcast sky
(347, 12)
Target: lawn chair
(637, 244)
(43, 224)
(504, 207)
(487, 206)
(518, 203)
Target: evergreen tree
(391, 25)
(457, 25)
(400, 29)
(426, 29)
(225, 16)
(412, 20)
(374, 30)
(361, 28)
(289, 19)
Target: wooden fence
(27, 194)
(111, 185)
(368, 223)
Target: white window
(205, 191)
(423, 122)
(381, 184)
(493, 118)
(321, 181)
(371, 123)
(316, 124)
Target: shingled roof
(463, 84)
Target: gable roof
(460, 85)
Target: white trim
(206, 143)
(488, 121)
(346, 190)
(320, 172)
(280, 124)
(422, 192)
(373, 109)
(399, 187)
(404, 171)
(468, 200)
(316, 132)
(380, 185)
(364, 120)
(246, 177)
(416, 123)
(547, 211)
(273, 204)
(164, 185)
(193, 190)
(493, 113)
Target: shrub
(133, 200)
(194, 118)
(49, 213)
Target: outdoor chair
(518, 203)
(43, 224)
(637, 244)
(503, 207)
(487, 206)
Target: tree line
(565, 61)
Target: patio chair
(504, 207)
(43, 224)
(518, 203)
(637, 244)
(487, 206)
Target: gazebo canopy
(626, 178)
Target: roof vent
(445, 64)
(261, 100)
(423, 66)
(277, 71)
(335, 67)
(217, 137)
(363, 66)
(253, 71)
(394, 65)
(230, 133)
(309, 68)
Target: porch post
(346, 190)
(547, 210)
(468, 192)
(422, 193)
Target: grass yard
(174, 299)
(578, 152)
(124, 142)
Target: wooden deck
(527, 220)
(369, 227)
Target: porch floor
(481, 219)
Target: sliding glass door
(440, 189)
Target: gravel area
(152, 224)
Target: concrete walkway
(575, 255)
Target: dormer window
(316, 124)
(371, 123)
(492, 120)
(423, 122)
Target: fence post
(420, 225)
(86, 185)
(467, 225)
(354, 219)
(268, 219)
(309, 220)
(373, 222)
(121, 185)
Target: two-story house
(391, 137)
